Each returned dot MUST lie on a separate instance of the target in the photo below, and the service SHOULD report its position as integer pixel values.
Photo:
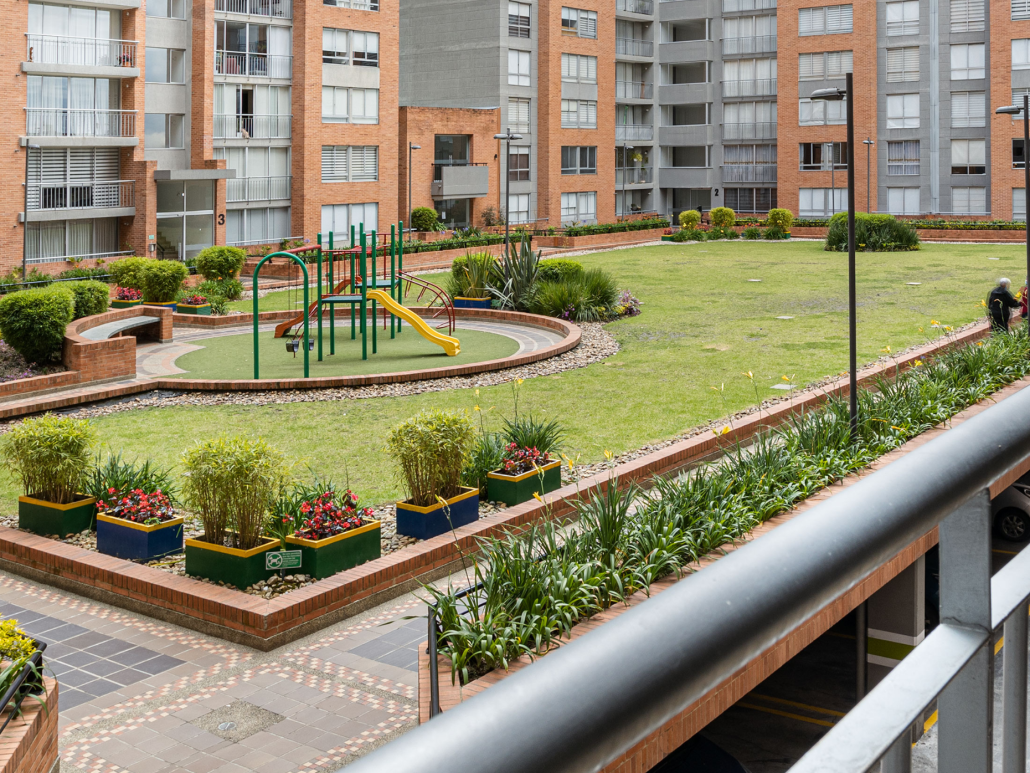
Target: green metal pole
(352, 283)
(393, 271)
(400, 267)
(332, 306)
(254, 285)
(364, 301)
(307, 366)
(375, 284)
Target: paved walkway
(140, 696)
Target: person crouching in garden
(998, 304)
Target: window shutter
(364, 163)
(1020, 9)
(810, 21)
(806, 66)
(968, 15)
(334, 163)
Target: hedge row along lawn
(703, 325)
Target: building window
(969, 157)
(968, 15)
(518, 208)
(819, 112)
(829, 64)
(54, 241)
(967, 61)
(903, 201)
(968, 109)
(350, 163)
(821, 202)
(340, 105)
(579, 68)
(828, 20)
(518, 114)
(579, 159)
(349, 47)
(903, 18)
(167, 9)
(578, 114)
(903, 157)
(518, 163)
(749, 199)
(338, 219)
(579, 207)
(902, 111)
(1021, 54)
(165, 65)
(518, 68)
(692, 115)
(1018, 203)
(580, 23)
(816, 156)
(264, 225)
(969, 201)
(518, 20)
(357, 5)
(903, 64)
(163, 130)
(1020, 10)
(1018, 158)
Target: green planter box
(162, 304)
(516, 489)
(125, 304)
(325, 557)
(241, 568)
(46, 518)
(203, 310)
(668, 238)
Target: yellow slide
(449, 344)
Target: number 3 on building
(221, 219)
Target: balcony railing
(61, 122)
(756, 87)
(257, 188)
(277, 9)
(261, 65)
(60, 49)
(634, 90)
(634, 47)
(634, 131)
(762, 130)
(758, 44)
(732, 6)
(78, 195)
(749, 173)
(254, 127)
(634, 175)
(635, 6)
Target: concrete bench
(113, 329)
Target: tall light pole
(868, 142)
(835, 95)
(625, 148)
(411, 147)
(1025, 110)
(25, 229)
(508, 136)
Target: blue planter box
(471, 303)
(136, 542)
(427, 522)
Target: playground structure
(363, 290)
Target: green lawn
(703, 325)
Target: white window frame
(967, 61)
(968, 16)
(519, 19)
(969, 200)
(579, 22)
(826, 20)
(903, 64)
(821, 112)
(519, 65)
(579, 207)
(520, 115)
(902, 18)
(908, 116)
(349, 163)
(578, 114)
(821, 202)
(578, 68)
(968, 109)
(903, 201)
(341, 102)
(901, 160)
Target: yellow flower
(886, 349)
(917, 363)
(475, 408)
(948, 328)
(983, 303)
(477, 391)
(519, 381)
(537, 497)
(608, 455)
(725, 430)
(921, 330)
(934, 323)
(749, 374)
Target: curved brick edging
(29, 742)
(266, 624)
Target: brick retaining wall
(594, 240)
(29, 742)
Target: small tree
(723, 217)
(216, 263)
(425, 219)
(128, 272)
(690, 218)
(162, 280)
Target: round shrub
(690, 218)
(128, 272)
(781, 218)
(689, 235)
(220, 262)
(50, 455)
(724, 217)
(425, 219)
(431, 449)
(91, 297)
(559, 269)
(229, 289)
(873, 233)
(162, 280)
(33, 321)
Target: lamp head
(868, 142)
(830, 95)
(1009, 110)
(414, 147)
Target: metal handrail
(64, 49)
(65, 122)
(749, 173)
(754, 130)
(250, 63)
(634, 47)
(755, 87)
(81, 195)
(18, 689)
(258, 188)
(253, 127)
(634, 131)
(634, 90)
(279, 9)
(756, 44)
(585, 703)
(645, 7)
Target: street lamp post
(25, 225)
(868, 142)
(411, 147)
(1025, 110)
(507, 137)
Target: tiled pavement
(142, 696)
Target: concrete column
(896, 621)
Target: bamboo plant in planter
(232, 484)
(49, 456)
(431, 449)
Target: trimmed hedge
(33, 321)
(559, 270)
(220, 262)
(91, 297)
(723, 217)
(612, 228)
(128, 272)
(425, 219)
(873, 233)
(162, 280)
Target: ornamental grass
(49, 456)
(430, 449)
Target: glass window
(518, 19)
(969, 201)
(903, 64)
(451, 149)
(518, 68)
(903, 111)
(577, 22)
(903, 18)
(903, 201)
(815, 156)
(967, 61)
(969, 157)
(819, 112)
(338, 218)
(821, 202)
(828, 20)
(518, 207)
(579, 159)
(903, 157)
(578, 113)
(165, 65)
(342, 105)
(968, 109)
(171, 196)
(1021, 54)
(518, 163)
(579, 68)
(518, 114)
(968, 15)
(1018, 203)
(579, 207)
(169, 9)
(1018, 158)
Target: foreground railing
(257, 188)
(590, 700)
(261, 65)
(253, 127)
(634, 131)
(279, 9)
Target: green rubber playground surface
(232, 357)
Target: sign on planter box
(282, 559)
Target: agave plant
(513, 278)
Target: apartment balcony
(733, 6)
(762, 130)
(62, 54)
(242, 189)
(277, 9)
(460, 181)
(645, 7)
(104, 127)
(749, 173)
(634, 175)
(51, 201)
(259, 65)
(253, 127)
(634, 90)
(634, 131)
(756, 87)
(633, 47)
(758, 44)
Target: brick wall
(111, 357)
(1002, 128)
(12, 127)
(29, 743)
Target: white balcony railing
(33, 259)
(634, 131)
(634, 47)
(82, 195)
(758, 44)
(61, 49)
(634, 175)
(61, 122)
(749, 173)
(762, 130)
(634, 90)
(635, 6)
(277, 9)
(261, 65)
(254, 127)
(756, 87)
(732, 6)
(257, 188)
